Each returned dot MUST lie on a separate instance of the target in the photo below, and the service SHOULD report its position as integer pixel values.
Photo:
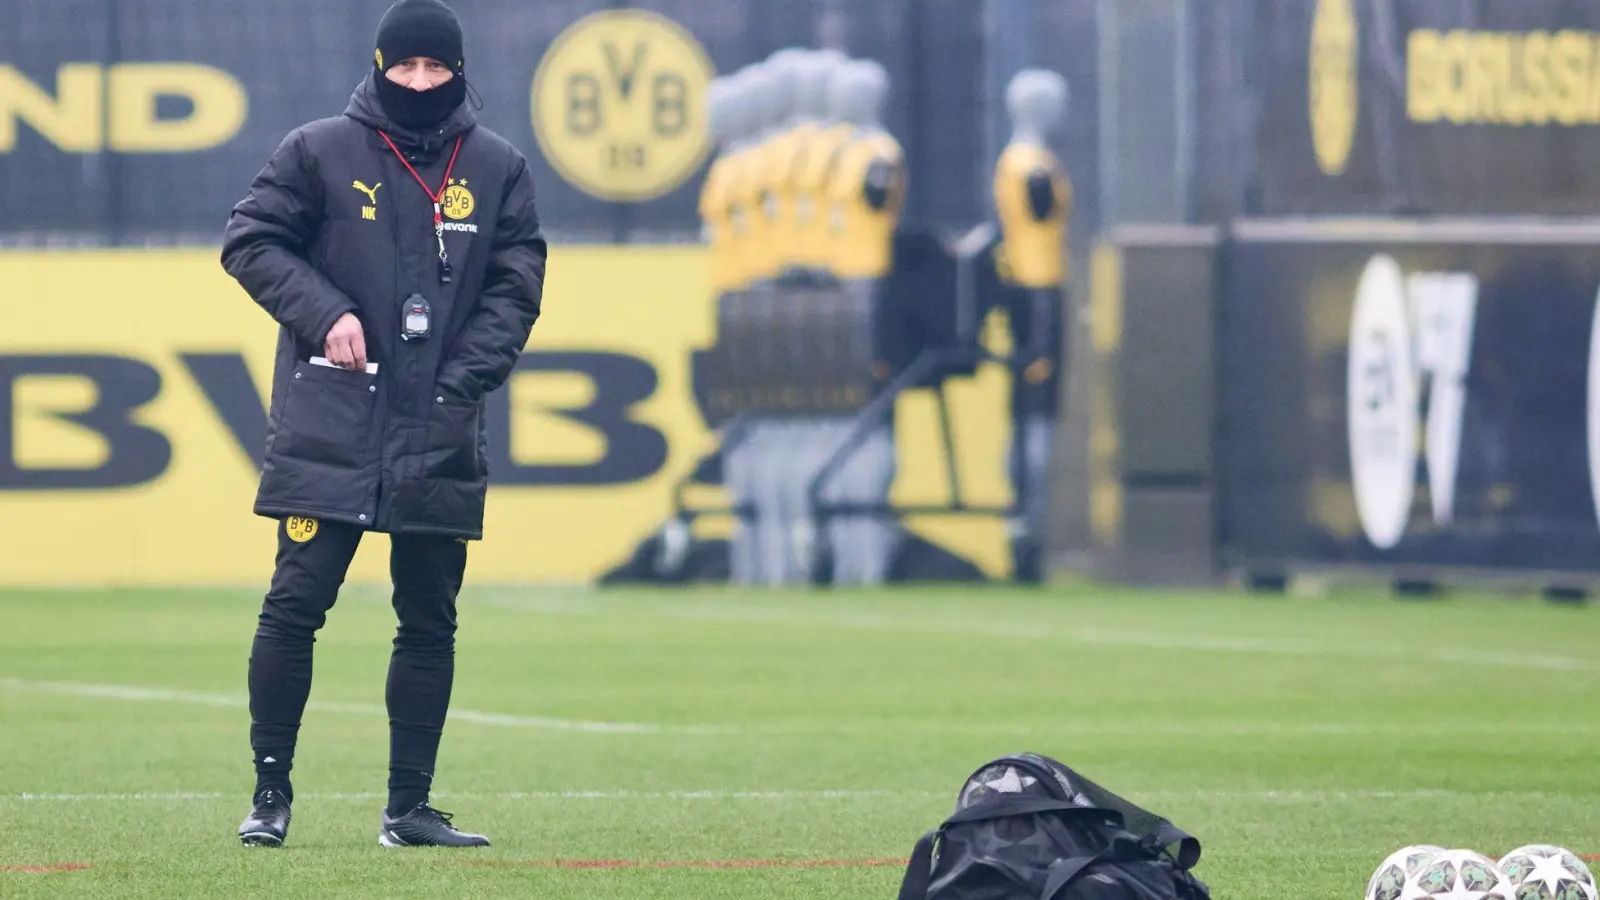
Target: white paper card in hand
(372, 368)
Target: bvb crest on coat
(458, 202)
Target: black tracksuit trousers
(427, 573)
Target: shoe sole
(260, 839)
(386, 838)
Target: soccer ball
(1548, 872)
(1458, 875)
(1391, 874)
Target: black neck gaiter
(420, 110)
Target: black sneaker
(425, 826)
(268, 823)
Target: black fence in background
(1272, 108)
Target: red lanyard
(437, 197)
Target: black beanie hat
(419, 28)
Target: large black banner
(125, 121)
(1409, 396)
(1427, 106)
(143, 121)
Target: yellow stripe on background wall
(128, 379)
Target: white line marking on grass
(508, 795)
(177, 795)
(1298, 797)
(1286, 797)
(165, 695)
(1066, 726)
(571, 605)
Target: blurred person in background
(398, 248)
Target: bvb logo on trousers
(300, 528)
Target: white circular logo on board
(1594, 408)
(1381, 404)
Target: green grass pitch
(714, 743)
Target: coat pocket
(327, 417)
(454, 451)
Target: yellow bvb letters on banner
(89, 107)
(132, 440)
(133, 407)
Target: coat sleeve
(264, 245)
(486, 350)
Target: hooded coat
(335, 223)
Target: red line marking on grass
(723, 863)
(720, 863)
(40, 870)
(699, 864)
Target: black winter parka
(335, 224)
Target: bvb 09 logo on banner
(617, 103)
(1334, 84)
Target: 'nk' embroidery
(369, 212)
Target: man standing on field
(398, 249)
